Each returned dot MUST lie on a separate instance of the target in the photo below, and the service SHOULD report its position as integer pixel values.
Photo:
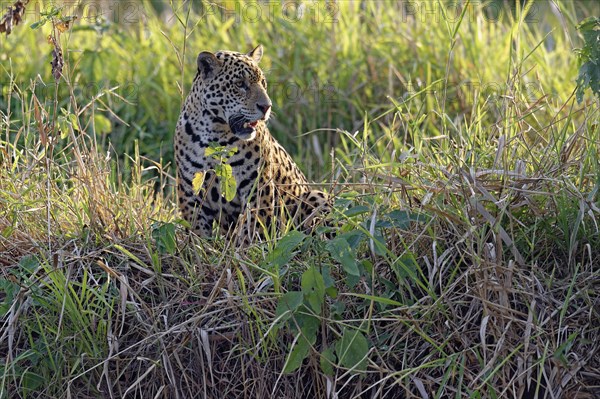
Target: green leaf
(29, 263)
(288, 303)
(332, 292)
(227, 181)
(10, 290)
(231, 152)
(337, 310)
(308, 323)
(63, 126)
(406, 267)
(38, 24)
(589, 77)
(327, 279)
(306, 337)
(73, 121)
(31, 381)
(327, 359)
(65, 121)
(212, 149)
(564, 347)
(53, 12)
(352, 350)
(198, 181)
(329, 283)
(340, 250)
(219, 152)
(351, 280)
(379, 243)
(102, 124)
(313, 288)
(356, 210)
(354, 237)
(402, 219)
(165, 238)
(284, 250)
(297, 355)
(589, 58)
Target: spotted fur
(228, 105)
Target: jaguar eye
(240, 84)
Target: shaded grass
(472, 215)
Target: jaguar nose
(264, 108)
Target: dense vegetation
(464, 258)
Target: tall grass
(465, 249)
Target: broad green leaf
(342, 203)
(211, 150)
(352, 280)
(402, 216)
(401, 219)
(297, 355)
(341, 251)
(313, 288)
(74, 121)
(352, 349)
(332, 292)
(53, 12)
(379, 243)
(102, 124)
(9, 289)
(231, 152)
(29, 263)
(307, 336)
(219, 152)
(284, 250)
(165, 238)
(227, 181)
(39, 23)
(63, 126)
(589, 58)
(337, 310)
(327, 359)
(307, 323)
(354, 237)
(329, 282)
(31, 381)
(303, 321)
(406, 267)
(289, 302)
(198, 181)
(356, 210)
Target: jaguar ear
(208, 64)
(256, 54)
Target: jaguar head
(235, 90)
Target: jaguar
(223, 121)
